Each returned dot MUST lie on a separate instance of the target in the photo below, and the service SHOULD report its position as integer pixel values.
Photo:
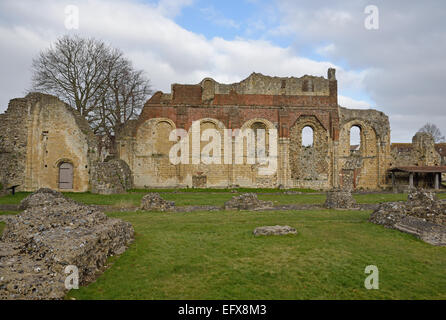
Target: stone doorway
(66, 175)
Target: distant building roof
(421, 169)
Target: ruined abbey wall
(421, 152)
(286, 104)
(39, 133)
(364, 168)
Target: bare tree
(94, 78)
(434, 131)
(128, 89)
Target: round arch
(267, 123)
(220, 125)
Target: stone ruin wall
(310, 165)
(13, 142)
(41, 133)
(421, 152)
(441, 150)
(364, 168)
(287, 104)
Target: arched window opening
(307, 136)
(205, 125)
(65, 175)
(262, 148)
(161, 139)
(355, 139)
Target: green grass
(294, 199)
(213, 255)
(211, 197)
(109, 199)
(380, 197)
(223, 190)
(2, 226)
(441, 195)
(9, 213)
(14, 199)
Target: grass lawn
(133, 199)
(213, 255)
(214, 190)
(9, 212)
(14, 199)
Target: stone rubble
(111, 177)
(340, 199)
(39, 243)
(247, 201)
(274, 230)
(42, 197)
(154, 202)
(421, 215)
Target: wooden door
(66, 176)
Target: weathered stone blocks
(38, 244)
(422, 215)
(274, 230)
(247, 201)
(42, 197)
(113, 176)
(154, 202)
(340, 199)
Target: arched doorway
(65, 175)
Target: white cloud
(326, 50)
(171, 8)
(147, 35)
(403, 61)
(347, 102)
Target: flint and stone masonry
(260, 102)
(46, 143)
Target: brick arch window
(307, 136)
(355, 139)
(66, 173)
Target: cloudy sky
(400, 68)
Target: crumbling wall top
(255, 84)
(376, 119)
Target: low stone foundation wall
(154, 202)
(340, 199)
(52, 233)
(247, 201)
(422, 215)
(274, 231)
